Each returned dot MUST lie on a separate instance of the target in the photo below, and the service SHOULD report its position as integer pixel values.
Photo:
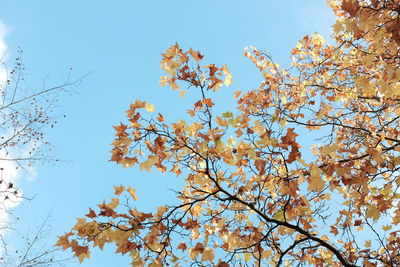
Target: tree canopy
(253, 193)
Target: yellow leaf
(228, 76)
(386, 227)
(316, 183)
(279, 216)
(338, 27)
(373, 212)
(83, 256)
(149, 108)
(113, 204)
(146, 165)
(221, 122)
(266, 254)
(136, 259)
(132, 192)
(208, 255)
(247, 256)
(367, 244)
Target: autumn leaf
(196, 55)
(315, 181)
(207, 255)
(373, 213)
(120, 129)
(91, 214)
(132, 192)
(228, 76)
(63, 241)
(81, 252)
(160, 117)
(146, 165)
(113, 204)
(350, 6)
(227, 115)
(208, 102)
(182, 246)
(149, 108)
(119, 190)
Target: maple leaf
(315, 181)
(228, 75)
(120, 129)
(81, 252)
(213, 69)
(207, 255)
(132, 192)
(113, 204)
(149, 108)
(182, 246)
(373, 212)
(208, 102)
(221, 122)
(351, 6)
(198, 104)
(227, 115)
(63, 241)
(160, 117)
(196, 55)
(118, 190)
(91, 214)
(146, 165)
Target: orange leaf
(160, 117)
(182, 246)
(63, 241)
(208, 102)
(196, 55)
(118, 190)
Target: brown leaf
(91, 214)
(350, 6)
(182, 246)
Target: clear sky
(120, 43)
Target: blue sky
(120, 43)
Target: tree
(26, 114)
(253, 194)
(35, 250)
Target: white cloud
(8, 174)
(8, 170)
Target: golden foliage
(252, 193)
